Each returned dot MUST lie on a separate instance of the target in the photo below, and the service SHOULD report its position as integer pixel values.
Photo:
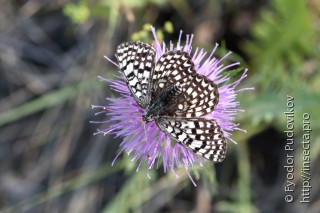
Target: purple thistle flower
(146, 142)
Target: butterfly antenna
(145, 131)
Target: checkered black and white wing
(204, 137)
(136, 60)
(173, 67)
(199, 95)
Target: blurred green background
(51, 53)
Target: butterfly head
(147, 118)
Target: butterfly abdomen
(161, 104)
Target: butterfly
(174, 96)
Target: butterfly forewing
(202, 136)
(136, 60)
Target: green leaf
(78, 13)
(282, 41)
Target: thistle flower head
(145, 142)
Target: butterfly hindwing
(136, 60)
(199, 95)
(173, 67)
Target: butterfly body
(160, 106)
(174, 96)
